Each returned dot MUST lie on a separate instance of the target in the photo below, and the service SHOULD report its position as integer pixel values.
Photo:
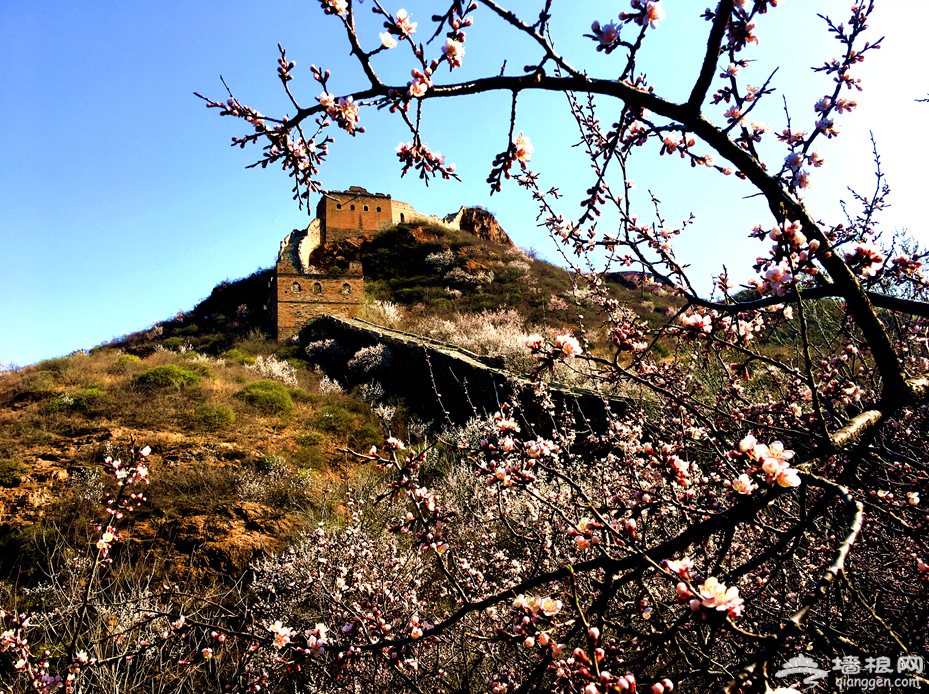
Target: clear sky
(121, 202)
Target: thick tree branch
(713, 46)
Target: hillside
(247, 435)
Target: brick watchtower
(303, 287)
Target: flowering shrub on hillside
(272, 368)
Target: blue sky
(122, 203)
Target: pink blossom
(540, 448)
(759, 129)
(282, 634)
(823, 105)
(671, 144)
(714, 595)
(779, 278)
(534, 342)
(867, 256)
(607, 34)
(568, 345)
(794, 161)
(550, 607)
(788, 477)
(828, 127)
(653, 14)
(387, 41)
(817, 159)
(419, 85)
(404, 24)
(395, 444)
(731, 71)
(697, 321)
(845, 105)
(681, 567)
(454, 51)
(508, 424)
(338, 6)
(744, 485)
(524, 148)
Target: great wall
(449, 384)
(305, 285)
(311, 300)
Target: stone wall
(440, 381)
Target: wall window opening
(295, 287)
(346, 288)
(317, 288)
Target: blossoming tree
(720, 525)
(757, 498)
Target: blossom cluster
(712, 597)
(271, 367)
(414, 155)
(647, 13)
(344, 111)
(774, 461)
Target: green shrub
(335, 420)
(301, 395)
(291, 352)
(11, 472)
(237, 356)
(367, 436)
(80, 401)
(56, 366)
(267, 396)
(192, 329)
(309, 457)
(312, 438)
(124, 363)
(173, 342)
(26, 549)
(270, 462)
(88, 397)
(212, 417)
(200, 369)
(167, 376)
